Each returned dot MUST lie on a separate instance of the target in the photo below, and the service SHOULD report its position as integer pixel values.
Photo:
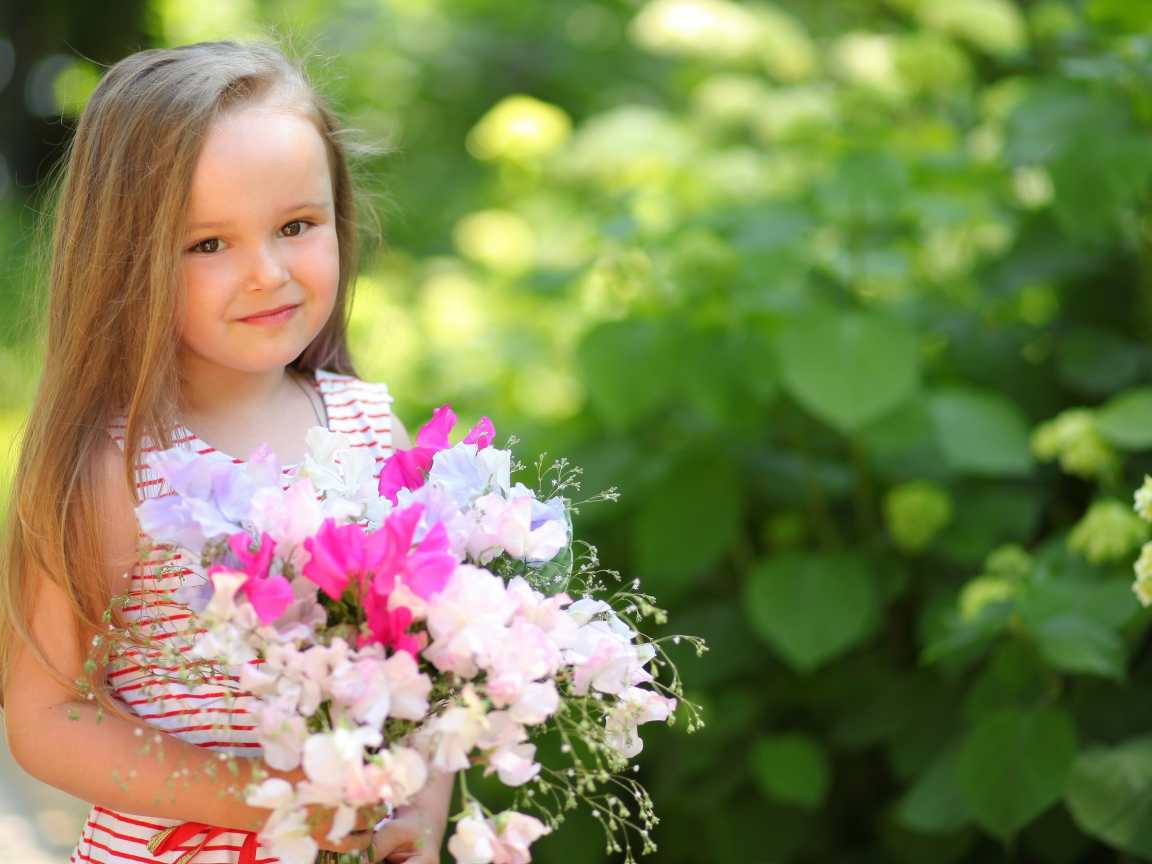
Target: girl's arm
(416, 832)
(81, 756)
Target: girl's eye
(207, 247)
(292, 229)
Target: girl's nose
(265, 268)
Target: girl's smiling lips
(273, 316)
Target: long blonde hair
(114, 306)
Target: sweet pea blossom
(634, 707)
(415, 614)
(407, 469)
(211, 499)
(269, 595)
(521, 540)
(514, 764)
(474, 841)
(468, 621)
(515, 833)
(449, 737)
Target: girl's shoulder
(335, 387)
(362, 410)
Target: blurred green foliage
(852, 301)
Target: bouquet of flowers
(439, 619)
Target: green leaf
(1133, 17)
(1110, 795)
(1098, 362)
(1126, 419)
(1074, 643)
(1015, 677)
(812, 608)
(849, 369)
(1014, 765)
(1095, 179)
(935, 804)
(792, 769)
(756, 363)
(728, 376)
(627, 367)
(867, 188)
(1074, 624)
(981, 432)
(1110, 603)
(1055, 115)
(986, 516)
(686, 521)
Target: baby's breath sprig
(556, 478)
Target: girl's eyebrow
(307, 205)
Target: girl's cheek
(318, 264)
(206, 291)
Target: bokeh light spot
(519, 128)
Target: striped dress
(209, 713)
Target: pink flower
(482, 434)
(270, 596)
(408, 469)
(388, 626)
(516, 832)
(425, 569)
(513, 764)
(405, 469)
(500, 730)
(338, 553)
(360, 686)
(434, 433)
(467, 621)
(524, 654)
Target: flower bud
(1143, 584)
(916, 512)
(1108, 531)
(1072, 438)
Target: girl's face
(261, 262)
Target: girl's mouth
(273, 316)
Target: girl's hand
(412, 836)
(360, 839)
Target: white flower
(453, 735)
(281, 734)
(271, 794)
(460, 473)
(537, 702)
(222, 606)
(474, 841)
(634, 707)
(514, 764)
(288, 836)
(467, 620)
(403, 773)
(409, 686)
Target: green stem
(862, 491)
(819, 511)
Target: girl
(204, 252)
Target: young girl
(204, 252)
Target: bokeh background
(851, 300)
